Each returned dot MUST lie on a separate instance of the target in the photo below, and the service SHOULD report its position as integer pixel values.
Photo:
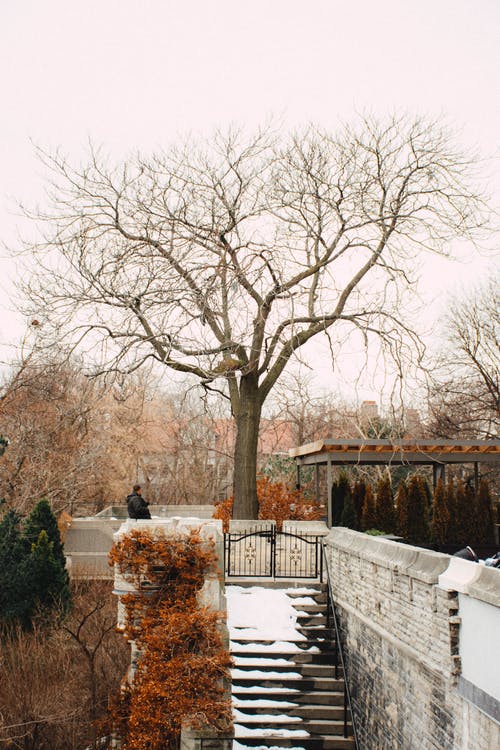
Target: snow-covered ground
(259, 614)
(268, 614)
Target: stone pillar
(212, 595)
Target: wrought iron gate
(267, 553)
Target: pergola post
(438, 472)
(366, 452)
(329, 484)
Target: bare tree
(55, 682)
(464, 397)
(72, 440)
(185, 450)
(222, 260)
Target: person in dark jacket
(136, 505)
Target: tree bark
(245, 453)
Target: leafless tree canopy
(56, 681)
(72, 439)
(465, 393)
(221, 260)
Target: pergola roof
(396, 452)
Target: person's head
(137, 488)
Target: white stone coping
(472, 578)
(420, 564)
(450, 573)
(238, 526)
(210, 528)
(314, 528)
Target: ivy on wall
(182, 665)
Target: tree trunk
(245, 452)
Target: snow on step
(240, 731)
(267, 613)
(256, 674)
(281, 647)
(253, 661)
(263, 703)
(268, 718)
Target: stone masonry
(402, 632)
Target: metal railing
(331, 615)
(272, 554)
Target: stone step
(319, 595)
(318, 697)
(264, 666)
(310, 608)
(313, 727)
(321, 656)
(305, 619)
(331, 742)
(295, 681)
(254, 707)
(317, 637)
(317, 631)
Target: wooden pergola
(424, 452)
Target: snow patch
(265, 718)
(266, 689)
(240, 731)
(265, 612)
(257, 674)
(262, 703)
(252, 661)
(283, 647)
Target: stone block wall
(87, 541)
(402, 632)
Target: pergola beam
(437, 453)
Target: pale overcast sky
(134, 75)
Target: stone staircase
(285, 693)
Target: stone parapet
(307, 528)
(88, 541)
(402, 629)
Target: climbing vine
(182, 664)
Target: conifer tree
(441, 516)
(340, 489)
(451, 504)
(470, 519)
(418, 524)
(349, 517)
(369, 516)
(428, 493)
(402, 509)
(32, 576)
(40, 519)
(464, 520)
(15, 586)
(48, 578)
(358, 499)
(386, 514)
(484, 509)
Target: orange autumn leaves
(182, 664)
(276, 503)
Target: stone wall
(402, 631)
(87, 541)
